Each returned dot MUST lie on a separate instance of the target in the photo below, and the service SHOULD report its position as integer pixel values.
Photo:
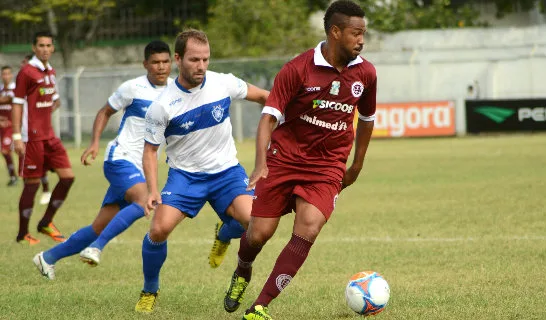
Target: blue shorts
(188, 191)
(122, 175)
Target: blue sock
(230, 230)
(123, 220)
(153, 256)
(78, 241)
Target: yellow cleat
(146, 302)
(219, 249)
(259, 313)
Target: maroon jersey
(316, 104)
(5, 109)
(35, 84)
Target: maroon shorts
(41, 156)
(275, 195)
(5, 137)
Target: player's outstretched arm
(101, 119)
(362, 140)
(263, 136)
(256, 94)
(149, 164)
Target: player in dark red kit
(314, 99)
(6, 95)
(34, 140)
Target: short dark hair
(6, 68)
(41, 34)
(156, 46)
(338, 12)
(182, 39)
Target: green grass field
(457, 226)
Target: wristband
(16, 136)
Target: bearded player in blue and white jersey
(192, 116)
(125, 199)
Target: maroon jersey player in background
(6, 94)
(314, 99)
(34, 140)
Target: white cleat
(47, 270)
(91, 256)
(44, 199)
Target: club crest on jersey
(217, 113)
(357, 89)
(334, 90)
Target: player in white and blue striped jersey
(125, 199)
(192, 116)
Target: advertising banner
(415, 119)
(505, 115)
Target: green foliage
(399, 15)
(253, 28)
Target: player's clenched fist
(92, 151)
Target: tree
(70, 21)
(254, 28)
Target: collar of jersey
(191, 90)
(38, 64)
(320, 61)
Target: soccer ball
(367, 293)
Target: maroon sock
(26, 202)
(45, 183)
(9, 164)
(57, 198)
(287, 265)
(246, 257)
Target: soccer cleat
(91, 256)
(47, 270)
(257, 313)
(146, 302)
(219, 248)
(28, 239)
(12, 181)
(44, 199)
(52, 231)
(234, 295)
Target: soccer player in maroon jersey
(314, 99)
(34, 140)
(6, 95)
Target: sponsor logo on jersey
(340, 125)
(334, 90)
(168, 193)
(44, 104)
(338, 106)
(186, 125)
(218, 113)
(357, 88)
(172, 103)
(312, 89)
(44, 91)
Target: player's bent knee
(159, 233)
(258, 238)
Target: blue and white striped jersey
(133, 97)
(195, 123)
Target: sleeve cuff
(366, 118)
(18, 100)
(272, 111)
(153, 144)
